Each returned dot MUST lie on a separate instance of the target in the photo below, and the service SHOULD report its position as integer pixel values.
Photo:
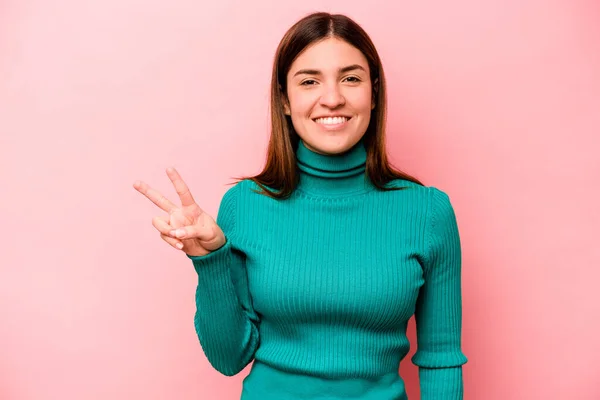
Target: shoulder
(432, 192)
(415, 188)
(442, 222)
(433, 200)
(404, 184)
(237, 201)
(245, 190)
(232, 196)
(440, 204)
(419, 193)
(236, 188)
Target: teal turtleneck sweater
(318, 288)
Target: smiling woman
(314, 267)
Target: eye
(306, 82)
(353, 79)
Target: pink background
(495, 102)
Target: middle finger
(180, 187)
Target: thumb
(193, 232)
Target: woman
(314, 267)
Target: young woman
(314, 267)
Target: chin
(332, 145)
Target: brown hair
(280, 171)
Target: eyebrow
(341, 70)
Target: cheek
(301, 105)
(362, 101)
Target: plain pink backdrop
(495, 102)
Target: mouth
(332, 123)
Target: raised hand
(188, 227)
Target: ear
(374, 91)
(285, 101)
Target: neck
(333, 175)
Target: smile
(332, 123)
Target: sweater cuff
(215, 257)
(441, 383)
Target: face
(329, 96)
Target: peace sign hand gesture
(187, 228)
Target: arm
(438, 313)
(225, 322)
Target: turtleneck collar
(333, 175)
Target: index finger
(154, 196)
(182, 189)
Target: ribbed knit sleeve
(438, 312)
(225, 322)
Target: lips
(337, 120)
(332, 124)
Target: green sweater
(318, 288)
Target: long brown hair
(280, 171)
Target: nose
(332, 96)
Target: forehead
(329, 55)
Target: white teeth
(331, 121)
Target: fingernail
(180, 232)
(179, 246)
(172, 233)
